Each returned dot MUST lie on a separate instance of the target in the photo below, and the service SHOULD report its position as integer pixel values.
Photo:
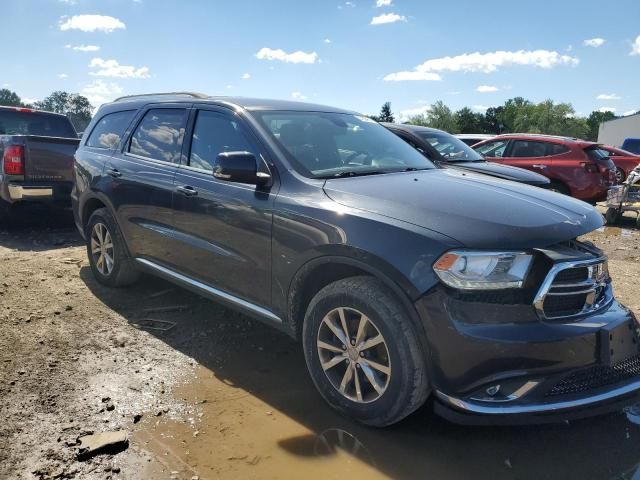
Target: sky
(353, 54)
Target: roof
(474, 135)
(252, 104)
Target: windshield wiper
(352, 173)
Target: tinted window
(13, 122)
(159, 135)
(556, 149)
(109, 130)
(213, 134)
(493, 149)
(334, 144)
(451, 148)
(527, 148)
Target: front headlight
(469, 270)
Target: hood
(503, 171)
(477, 210)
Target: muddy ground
(206, 393)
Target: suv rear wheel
(362, 352)
(110, 262)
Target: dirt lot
(206, 393)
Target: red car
(575, 167)
(623, 160)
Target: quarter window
(109, 130)
(159, 135)
(215, 133)
(493, 149)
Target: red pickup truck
(575, 167)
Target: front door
(224, 228)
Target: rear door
(139, 178)
(529, 154)
(224, 237)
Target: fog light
(493, 390)
(506, 391)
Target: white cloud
(83, 48)
(404, 115)
(480, 108)
(486, 89)
(68, 2)
(383, 3)
(388, 18)
(63, 75)
(295, 57)
(629, 112)
(484, 62)
(91, 23)
(347, 4)
(111, 68)
(327, 40)
(608, 96)
(29, 101)
(402, 76)
(99, 91)
(607, 109)
(228, 87)
(635, 46)
(246, 76)
(298, 96)
(594, 42)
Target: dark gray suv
(403, 281)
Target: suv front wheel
(110, 262)
(362, 352)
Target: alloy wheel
(619, 175)
(102, 249)
(354, 355)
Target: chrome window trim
(547, 285)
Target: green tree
(593, 123)
(9, 98)
(75, 106)
(385, 114)
(438, 116)
(467, 121)
(493, 120)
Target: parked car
(624, 161)
(472, 138)
(631, 145)
(402, 280)
(37, 157)
(575, 167)
(448, 151)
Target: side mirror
(239, 167)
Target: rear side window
(556, 149)
(215, 133)
(159, 135)
(527, 148)
(109, 130)
(13, 122)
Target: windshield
(325, 145)
(35, 123)
(451, 148)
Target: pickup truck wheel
(110, 262)
(620, 175)
(362, 352)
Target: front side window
(493, 149)
(159, 135)
(325, 145)
(109, 130)
(215, 133)
(451, 148)
(526, 148)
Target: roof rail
(143, 95)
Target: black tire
(407, 387)
(612, 216)
(123, 271)
(560, 188)
(620, 175)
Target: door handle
(539, 165)
(187, 190)
(114, 172)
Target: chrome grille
(573, 289)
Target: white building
(615, 131)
